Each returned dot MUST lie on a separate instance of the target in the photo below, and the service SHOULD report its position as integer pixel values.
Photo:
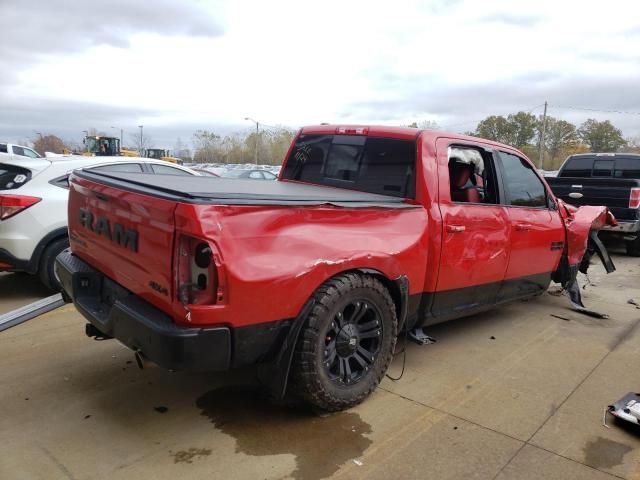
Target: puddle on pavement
(605, 453)
(187, 456)
(320, 444)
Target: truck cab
(12, 151)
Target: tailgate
(127, 236)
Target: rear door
(475, 247)
(537, 232)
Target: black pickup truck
(609, 179)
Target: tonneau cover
(210, 190)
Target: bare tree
(140, 142)
(49, 143)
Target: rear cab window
(602, 165)
(577, 167)
(370, 164)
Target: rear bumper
(623, 227)
(120, 314)
(10, 263)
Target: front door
(537, 231)
(475, 246)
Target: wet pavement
(514, 393)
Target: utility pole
(257, 135)
(141, 140)
(542, 132)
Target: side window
(602, 168)
(628, 168)
(167, 170)
(256, 175)
(523, 187)
(62, 182)
(3, 148)
(18, 151)
(471, 176)
(27, 152)
(118, 167)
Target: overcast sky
(177, 66)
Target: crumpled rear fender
(579, 223)
(582, 225)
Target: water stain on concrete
(320, 444)
(605, 453)
(187, 456)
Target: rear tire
(633, 247)
(346, 344)
(47, 263)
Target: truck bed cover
(209, 190)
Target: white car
(9, 151)
(33, 206)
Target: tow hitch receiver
(93, 332)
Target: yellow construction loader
(102, 146)
(161, 154)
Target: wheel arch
(275, 374)
(36, 256)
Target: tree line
(561, 138)
(522, 130)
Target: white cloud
(293, 62)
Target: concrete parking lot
(515, 393)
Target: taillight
(352, 130)
(634, 198)
(12, 204)
(197, 267)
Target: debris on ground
(561, 317)
(627, 408)
(357, 462)
(633, 301)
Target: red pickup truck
(369, 231)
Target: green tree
(516, 129)
(523, 127)
(496, 128)
(601, 136)
(559, 134)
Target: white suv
(33, 206)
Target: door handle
(576, 195)
(455, 228)
(523, 227)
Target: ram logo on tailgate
(117, 233)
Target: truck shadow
(15, 286)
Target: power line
(597, 110)
(447, 127)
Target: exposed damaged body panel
(582, 225)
